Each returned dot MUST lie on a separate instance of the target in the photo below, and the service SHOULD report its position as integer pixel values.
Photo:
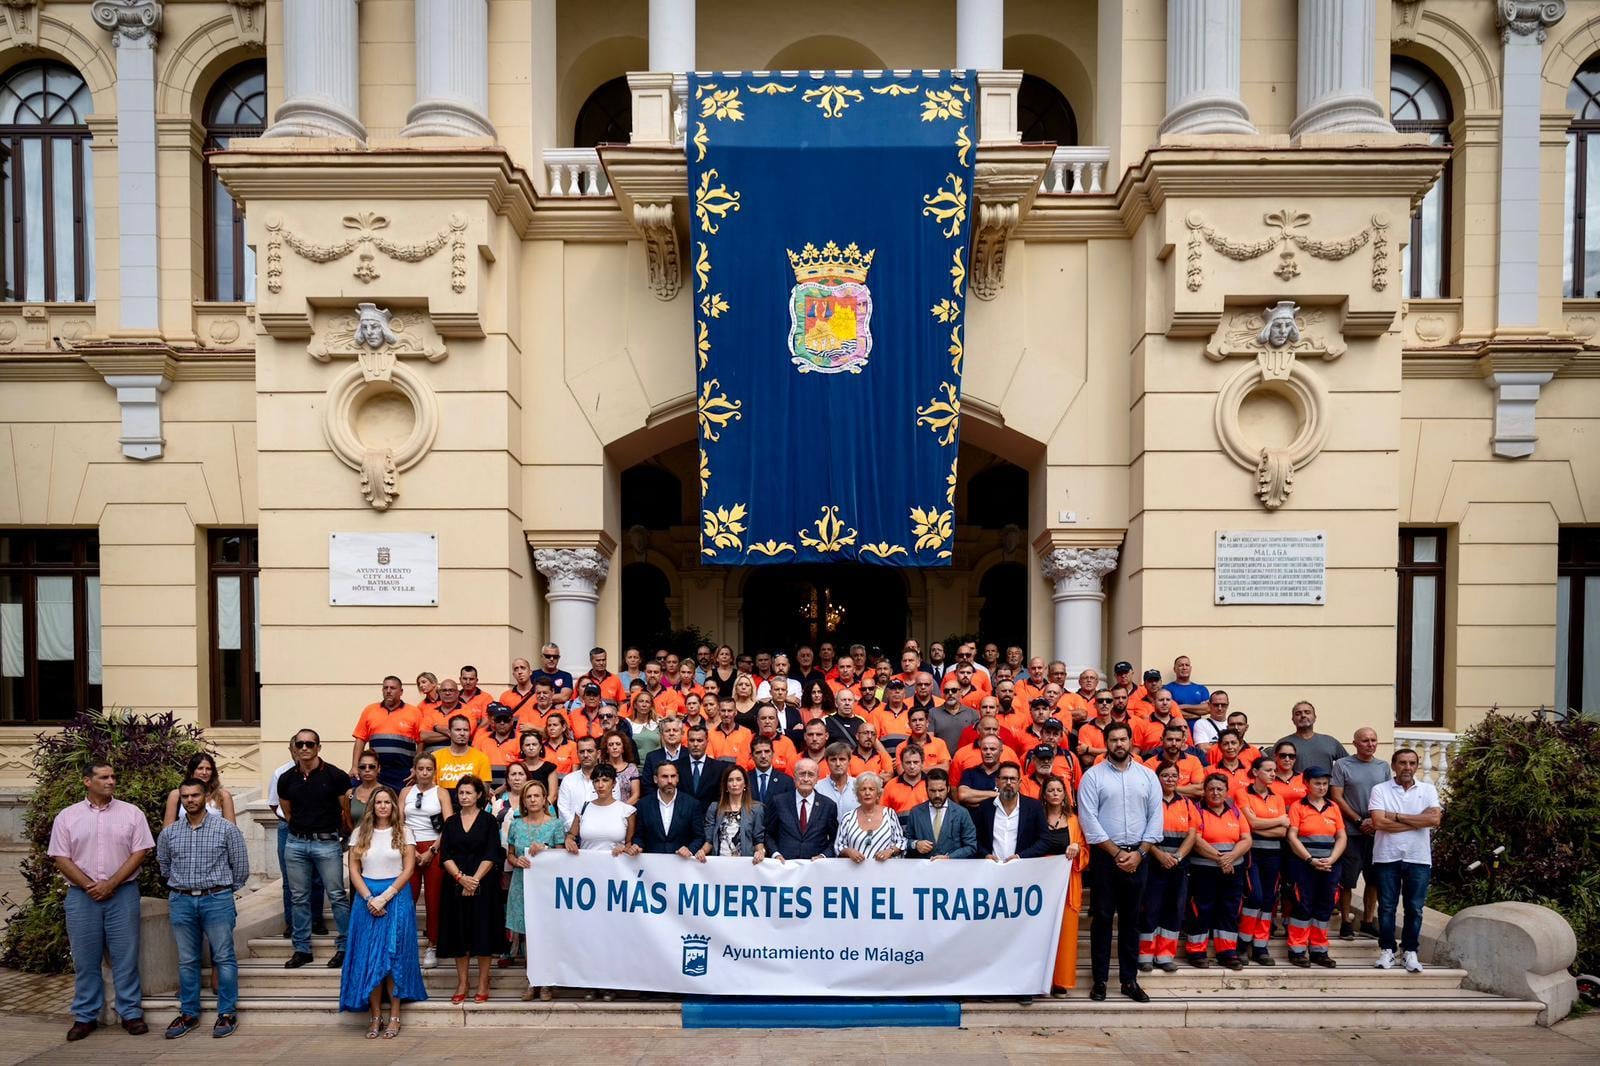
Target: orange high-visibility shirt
(1238, 778)
(784, 756)
(873, 764)
(901, 797)
(1247, 755)
(968, 757)
(436, 717)
(734, 746)
(1290, 791)
(500, 752)
(668, 703)
(564, 755)
(934, 751)
(1229, 827)
(1317, 830)
(1190, 772)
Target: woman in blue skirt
(381, 948)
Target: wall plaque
(383, 569)
(1254, 566)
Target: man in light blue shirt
(1120, 809)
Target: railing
(1077, 170)
(1434, 750)
(576, 172)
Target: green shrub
(1534, 787)
(149, 752)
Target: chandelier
(822, 607)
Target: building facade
(1238, 266)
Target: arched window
(49, 199)
(1580, 276)
(1043, 114)
(606, 117)
(237, 107)
(1419, 103)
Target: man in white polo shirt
(1405, 813)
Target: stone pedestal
(1203, 68)
(1078, 575)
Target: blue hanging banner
(829, 248)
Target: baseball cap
(1052, 723)
(1043, 751)
(591, 689)
(1152, 675)
(1315, 771)
(1123, 667)
(895, 682)
(1039, 701)
(498, 710)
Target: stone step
(1169, 1008)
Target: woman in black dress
(472, 913)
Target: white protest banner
(905, 927)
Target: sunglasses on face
(552, 656)
(367, 766)
(1104, 701)
(1287, 755)
(305, 743)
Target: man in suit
(1011, 822)
(669, 821)
(940, 828)
(802, 824)
(701, 775)
(767, 782)
(671, 751)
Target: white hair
(866, 778)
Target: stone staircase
(1353, 996)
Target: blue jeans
(95, 931)
(283, 871)
(197, 920)
(304, 860)
(1397, 881)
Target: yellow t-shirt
(453, 768)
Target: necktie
(938, 822)
(761, 793)
(803, 801)
(697, 777)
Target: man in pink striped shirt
(98, 845)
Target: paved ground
(1574, 1043)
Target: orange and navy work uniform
(1290, 791)
(1213, 895)
(1239, 777)
(969, 756)
(611, 690)
(393, 735)
(733, 746)
(1190, 772)
(1266, 870)
(435, 717)
(870, 764)
(934, 751)
(564, 755)
(900, 797)
(1315, 891)
(501, 753)
(1247, 755)
(477, 703)
(668, 703)
(583, 726)
(1166, 891)
(784, 756)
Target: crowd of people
(1198, 846)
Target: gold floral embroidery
(964, 143)
(701, 139)
(713, 200)
(932, 528)
(722, 528)
(832, 99)
(702, 267)
(831, 533)
(703, 345)
(946, 310)
(717, 411)
(958, 273)
(713, 305)
(948, 205)
(949, 481)
(942, 415)
(705, 473)
(955, 350)
(945, 103)
(883, 549)
(896, 89)
(720, 103)
(770, 88)
(771, 548)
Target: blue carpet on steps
(819, 1013)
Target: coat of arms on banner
(830, 309)
(696, 954)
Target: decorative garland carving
(366, 242)
(1286, 242)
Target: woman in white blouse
(871, 830)
(381, 950)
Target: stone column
(672, 36)
(321, 71)
(452, 70)
(980, 34)
(574, 575)
(134, 25)
(1333, 92)
(1522, 29)
(1079, 574)
(1203, 68)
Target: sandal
(372, 1030)
(393, 1029)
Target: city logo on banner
(696, 955)
(830, 309)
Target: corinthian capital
(572, 571)
(1079, 569)
(1522, 17)
(130, 22)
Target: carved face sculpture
(372, 327)
(1280, 329)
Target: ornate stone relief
(129, 21)
(1403, 24)
(367, 243)
(380, 418)
(1276, 337)
(1287, 242)
(1004, 183)
(990, 237)
(655, 225)
(1522, 17)
(573, 571)
(250, 20)
(21, 17)
(1078, 570)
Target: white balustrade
(576, 172)
(1434, 750)
(1077, 170)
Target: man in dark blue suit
(767, 783)
(671, 751)
(668, 820)
(701, 775)
(802, 824)
(1011, 822)
(955, 837)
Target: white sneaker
(430, 959)
(1385, 960)
(1413, 964)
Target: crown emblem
(831, 264)
(697, 938)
